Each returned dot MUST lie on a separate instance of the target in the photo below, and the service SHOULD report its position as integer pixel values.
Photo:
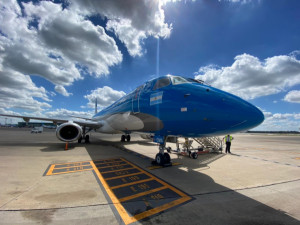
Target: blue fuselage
(174, 106)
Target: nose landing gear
(162, 158)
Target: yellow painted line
(68, 167)
(70, 171)
(154, 167)
(160, 181)
(50, 170)
(142, 194)
(116, 165)
(132, 183)
(122, 212)
(159, 167)
(112, 171)
(107, 162)
(127, 175)
(297, 158)
(161, 208)
(70, 163)
(126, 217)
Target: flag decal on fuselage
(156, 98)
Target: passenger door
(136, 99)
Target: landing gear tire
(79, 140)
(160, 159)
(128, 138)
(167, 158)
(194, 155)
(87, 139)
(123, 137)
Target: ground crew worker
(228, 138)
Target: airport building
(35, 124)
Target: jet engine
(68, 132)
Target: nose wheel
(162, 158)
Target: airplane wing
(83, 118)
(91, 124)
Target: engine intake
(68, 132)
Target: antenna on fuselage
(96, 106)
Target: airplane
(164, 107)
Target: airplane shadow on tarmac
(212, 204)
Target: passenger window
(163, 82)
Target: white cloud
(293, 96)
(62, 44)
(131, 20)
(74, 38)
(280, 122)
(24, 51)
(5, 120)
(67, 114)
(129, 35)
(249, 77)
(267, 114)
(105, 96)
(58, 49)
(60, 89)
(18, 91)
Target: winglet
(96, 106)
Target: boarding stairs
(213, 144)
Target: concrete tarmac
(259, 183)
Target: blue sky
(57, 58)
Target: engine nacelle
(68, 132)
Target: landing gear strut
(125, 138)
(85, 136)
(86, 139)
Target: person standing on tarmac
(228, 138)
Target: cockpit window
(163, 82)
(195, 80)
(179, 80)
(148, 86)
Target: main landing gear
(162, 158)
(125, 138)
(86, 139)
(85, 136)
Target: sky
(57, 57)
